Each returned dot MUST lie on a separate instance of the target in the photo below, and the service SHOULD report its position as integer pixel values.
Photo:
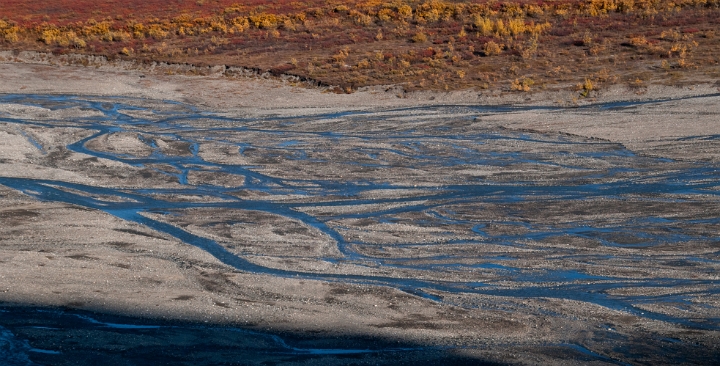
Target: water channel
(417, 199)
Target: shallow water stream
(424, 200)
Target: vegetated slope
(516, 45)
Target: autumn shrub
(9, 32)
(49, 36)
(264, 20)
(386, 14)
(484, 25)
(404, 12)
(492, 49)
(156, 32)
(360, 19)
(340, 56)
(585, 87)
(420, 37)
(428, 12)
(522, 85)
(240, 23)
(516, 27)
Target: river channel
(423, 200)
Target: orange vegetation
(517, 45)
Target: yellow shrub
(360, 18)
(77, 42)
(97, 29)
(419, 37)
(671, 34)
(500, 29)
(385, 14)
(484, 25)
(155, 31)
(9, 33)
(65, 39)
(288, 24)
(218, 41)
(586, 87)
(638, 41)
(600, 7)
(340, 56)
(533, 10)
(49, 36)
(432, 11)
(300, 17)
(512, 9)
(678, 49)
(121, 36)
(240, 24)
(182, 19)
(264, 20)
(219, 25)
(492, 48)
(516, 27)
(137, 30)
(562, 11)
(681, 63)
(405, 11)
(523, 85)
(537, 29)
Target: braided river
(425, 200)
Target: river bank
(37, 73)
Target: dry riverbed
(148, 213)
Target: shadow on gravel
(61, 336)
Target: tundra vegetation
(437, 45)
